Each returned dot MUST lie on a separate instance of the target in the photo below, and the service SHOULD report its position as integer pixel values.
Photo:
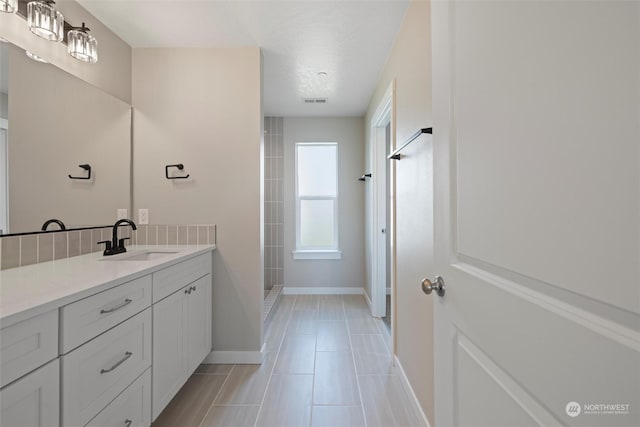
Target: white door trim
(384, 115)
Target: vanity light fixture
(44, 20)
(81, 45)
(35, 57)
(8, 6)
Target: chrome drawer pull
(127, 423)
(127, 355)
(111, 310)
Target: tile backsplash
(18, 251)
(190, 234)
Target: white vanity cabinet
(113, 357)
(34, 400)
(181, 330)
(30, 398)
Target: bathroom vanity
(102, 341)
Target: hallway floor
(327, 363)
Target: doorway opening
(382, 211)
(387, 200)
(4, 177)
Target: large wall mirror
(53, 122)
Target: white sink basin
(144, 255)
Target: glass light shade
(36, 57)
(8, 6)
(82, 46)
(45, 21)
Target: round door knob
(437, 285)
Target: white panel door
(537, 213)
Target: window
(316, 201)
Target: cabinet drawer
(97, 372)
(170, 279)
(33, 401)
(131, 409)
(27, 345)
(89, 317)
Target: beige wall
(202, 108)
(348, 271)
(410, 64)
(4, 105)
(112, 72)
(57, 122)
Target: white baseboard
(235, 357)
(324, 290)
(366, 297)
(412, 395)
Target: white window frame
(314, 252)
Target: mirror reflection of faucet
(116, 246)
(53, 221)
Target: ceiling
(349, 40)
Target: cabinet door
(198, 330)
(168, 349)
(33, 401)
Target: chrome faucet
(116, 246)
(53, 221)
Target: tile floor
(327, 364)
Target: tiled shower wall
(19, 251)
(273, 202)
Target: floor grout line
(284, 334)
(315, 361)
(353, 360)
(216, 396)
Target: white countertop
(34, 289)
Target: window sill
(332, 254)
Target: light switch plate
(143, 216)
(122, 214)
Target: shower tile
(267, 235)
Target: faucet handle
(107, 248)
(121, 241)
